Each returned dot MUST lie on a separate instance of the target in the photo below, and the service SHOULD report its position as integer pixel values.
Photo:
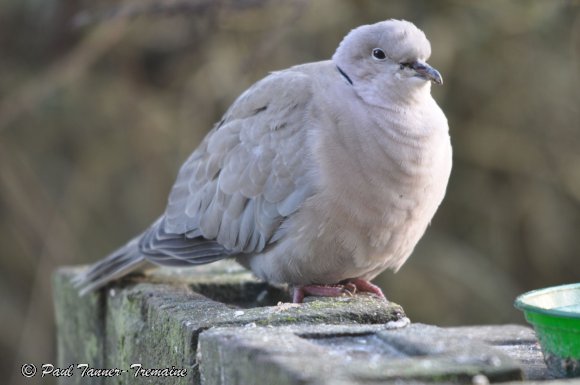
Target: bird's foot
(321, 291)
(365, 286)
(348, 287)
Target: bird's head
(387, 59)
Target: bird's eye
(379, 54)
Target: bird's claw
(348, 287)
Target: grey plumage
(314, 175)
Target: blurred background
(101, 102)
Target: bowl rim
(526, 307)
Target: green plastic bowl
(554, 313)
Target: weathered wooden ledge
(225, 327)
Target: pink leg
(349, 287)
(321, 291)
(365, 286)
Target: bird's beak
(425, 71)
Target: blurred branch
(131, 9)
(40, 221)
(65, 71)
(74, 65)
(35, 214)
(274, 40)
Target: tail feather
(119, 263)
(155, 246)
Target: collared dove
(319, 176)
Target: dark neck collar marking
(344, 75)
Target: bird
(319, 176)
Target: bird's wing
(248, 174)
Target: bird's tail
(122, 261)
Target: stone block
(354, 354)
(519, 342)
(155, 320)
(79, 324)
